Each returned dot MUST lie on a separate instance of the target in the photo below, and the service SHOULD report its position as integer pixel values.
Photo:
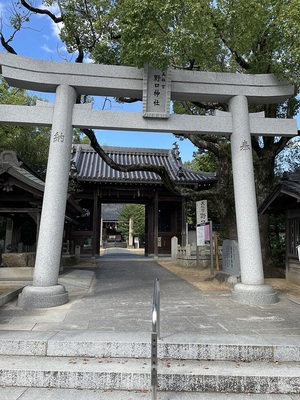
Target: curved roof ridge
(28, 178)
(11, 163)
(91, 167)
(123, 149)
(10, 157)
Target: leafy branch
(42, 11)
(159, 170)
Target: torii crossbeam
(156, 89)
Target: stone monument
(231, 258)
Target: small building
(21, 198)
(94, 183)
(99, 184)
(285, 199)
(109, 233)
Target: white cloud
(3, 12)
(47, 49)
(53, 9)
(55, 28)
(88, 60)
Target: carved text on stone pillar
(58, 137)
(156, 93)
(245, 146)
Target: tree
(231, 36)
(31, 144)
(206, 161)
(288, 160)
(223, 35)
(135, 212)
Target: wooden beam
(13, 210)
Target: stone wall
(293, 271)
(18, 260)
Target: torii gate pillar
(252, 289)
(45, 291)
(101, 80)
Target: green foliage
(261, 37)
(163, 33)
(203, 161)
(80, 138)
(31, 144)
(208, 35)
(13, 96)
(249, 29)
(222, 35)
(137, 213)
(215, 35)
(94, 24)
(288, 159)
(277, 240)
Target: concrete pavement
(110, 299)
(114, 294)
(73, 394)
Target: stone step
(71, 394)
(134, 374)
(9, 290)
(137, 345)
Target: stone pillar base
(254, 294)
(43, 296)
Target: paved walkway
(114, 294)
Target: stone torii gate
(156, 88)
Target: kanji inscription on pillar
(245, 146)
(58, 137)
(156, 93)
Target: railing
(155, 335)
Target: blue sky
(43, 42)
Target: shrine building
(96, 184)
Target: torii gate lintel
(67, 80)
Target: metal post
(155, 334)
(153, 364)
(211, 248)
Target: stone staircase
(116, 362)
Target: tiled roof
(91, 167)
(111, 212)
(11, 164)
(289, 186)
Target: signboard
(156, 93)
(201, 211)
(203, 233)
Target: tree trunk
(268, 263)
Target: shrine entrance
(164, 211)
(156, 89)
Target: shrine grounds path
(112, 295)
